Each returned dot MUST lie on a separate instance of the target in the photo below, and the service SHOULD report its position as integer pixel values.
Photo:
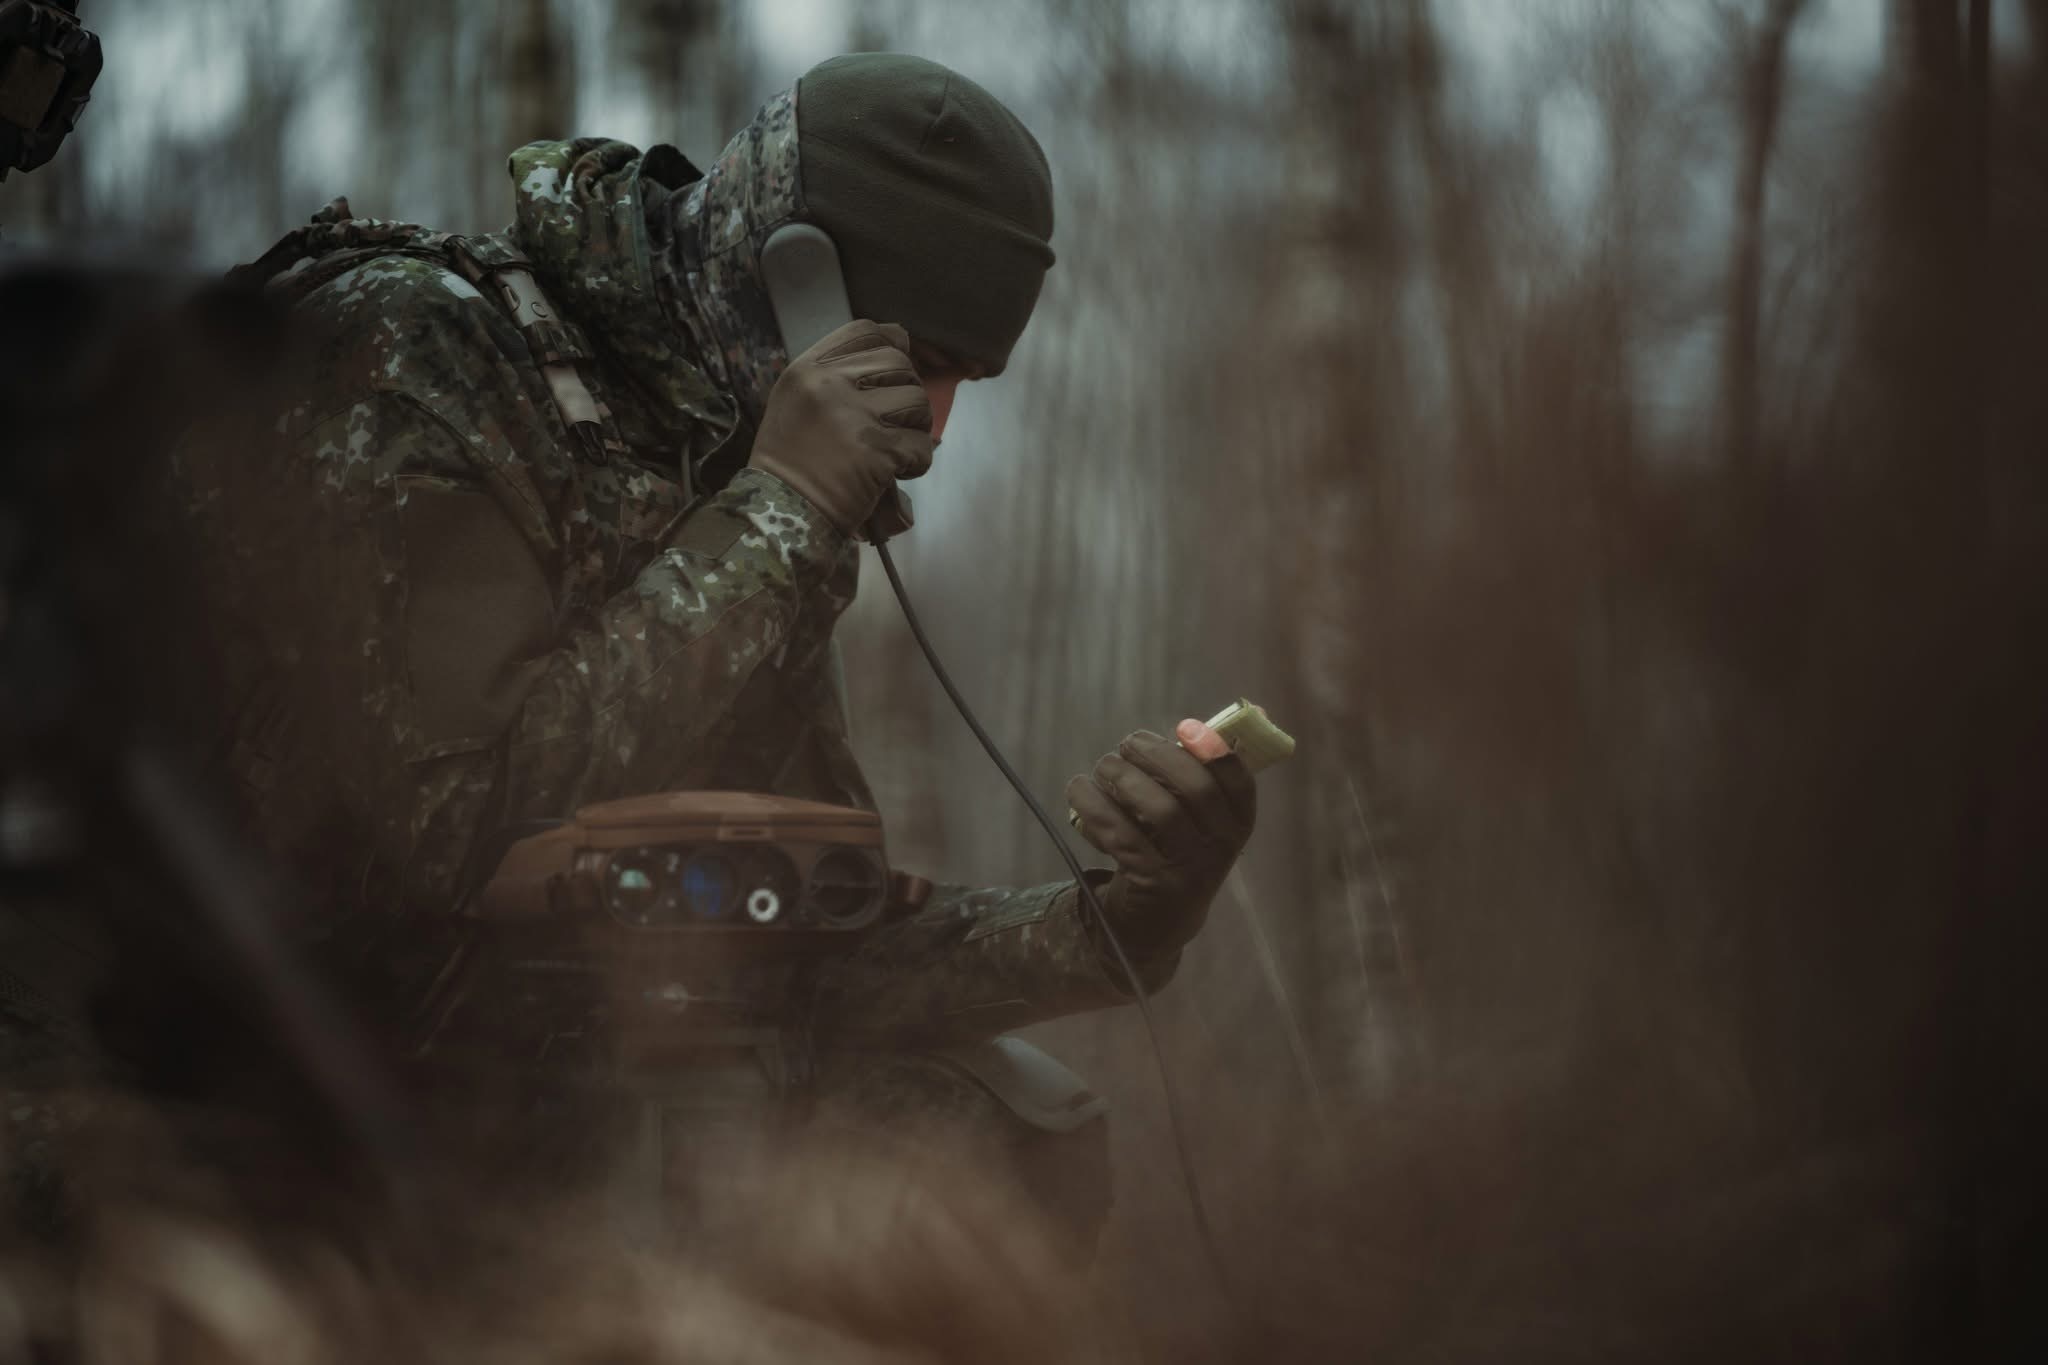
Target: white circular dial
(763, 905)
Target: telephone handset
(808, 293)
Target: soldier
(563, 523)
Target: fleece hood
(706, 243)
(578, 215)
(660, 264)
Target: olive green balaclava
(939, 200)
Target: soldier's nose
(940, 392)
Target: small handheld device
(1250, 733)
(1247, 728)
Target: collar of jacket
(662, 265)
(706, 242)
(580, 220)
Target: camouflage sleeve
(640, 691)
(463, 696)
(973, 963)
(645, 686)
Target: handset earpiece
(800, 266)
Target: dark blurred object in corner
(139, 937)
(48, 62)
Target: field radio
(632, 938)
(735, 866)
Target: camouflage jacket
(469, 619)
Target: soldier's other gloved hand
(1174, 824)
(846, 420)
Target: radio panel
(764, 885)
(736, 863)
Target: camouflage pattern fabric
(449, 623)
(707, 254)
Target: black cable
(1087, 895)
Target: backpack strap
(336, 240)
(501, 272)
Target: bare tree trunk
(1933, 41)
(1977, 764)
(539, 77)
(1464, 261)
(1763, 89)
(1978, 228)
(663, 35)
(1352, 78)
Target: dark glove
(1174, 824)
(845, 421)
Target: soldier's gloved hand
(1173, 822)
(846, 420)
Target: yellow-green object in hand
(1250, 732)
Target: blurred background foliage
(1609, 435)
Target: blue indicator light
(708, 887)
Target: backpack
(336, 241)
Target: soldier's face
(942, 375)
(940, 392)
